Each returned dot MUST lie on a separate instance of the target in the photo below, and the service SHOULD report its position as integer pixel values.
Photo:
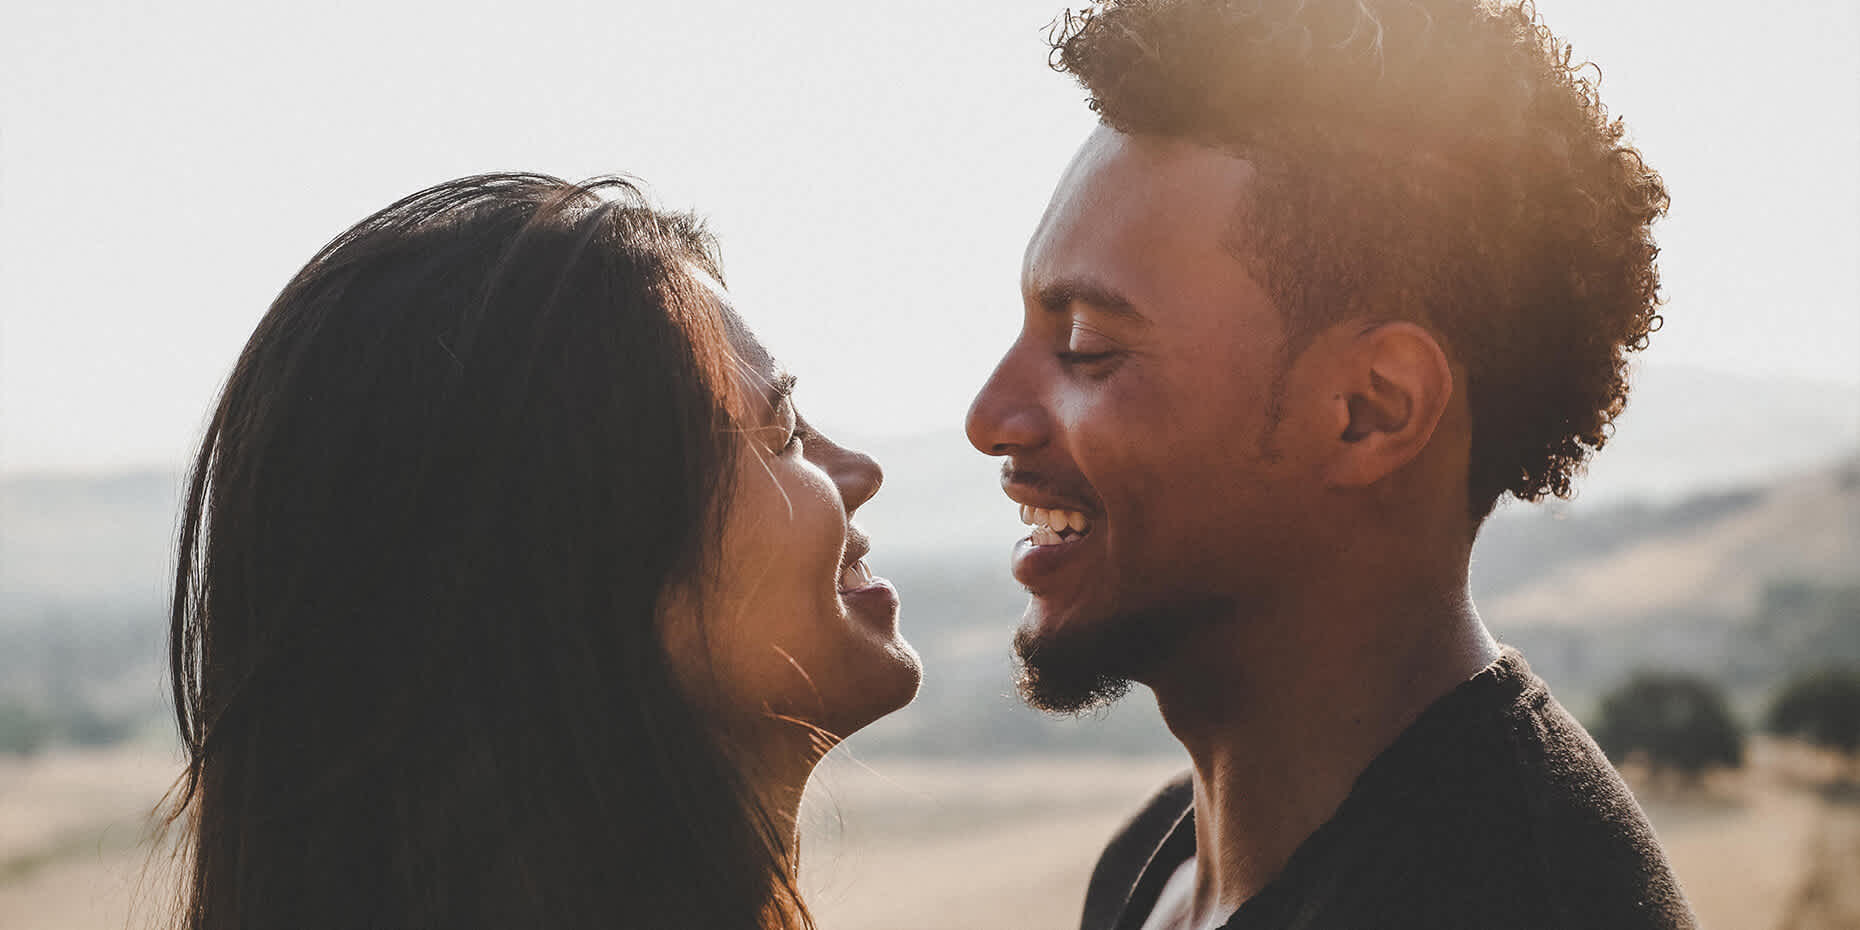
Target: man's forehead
(1125, 193)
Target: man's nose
(1007, 417)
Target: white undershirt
(1175, 904)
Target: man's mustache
(1045, 484)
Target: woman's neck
(778, 775)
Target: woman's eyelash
(1070, 357)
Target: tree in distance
(1821, 708)
(22, 731)
(1674, 723)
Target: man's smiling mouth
(1054, 527)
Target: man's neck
(1283, 712)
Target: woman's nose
(856, 474)
(858, 477)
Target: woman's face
(792, 625)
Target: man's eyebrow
(1059, 296)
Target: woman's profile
(512, 590)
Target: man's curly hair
(1436, 160)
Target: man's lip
(1039, 568)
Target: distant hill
(86, 540)
(1706, 557)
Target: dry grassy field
(899, 845)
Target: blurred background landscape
(873, 171)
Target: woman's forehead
(754, 356)
(748, 348)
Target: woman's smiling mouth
(855, 576)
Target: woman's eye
(794, 429)
(796, 436)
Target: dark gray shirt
(1493, 809)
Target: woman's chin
(887, 685)
(909, 673)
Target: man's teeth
(1049, 524)
(855, 576)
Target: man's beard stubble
(1082, 667)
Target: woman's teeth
(855, 576)
(1052, 527)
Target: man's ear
(1393, 382)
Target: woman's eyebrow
(782, 385)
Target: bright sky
(873, 170)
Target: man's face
(1139, 396)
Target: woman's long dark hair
(465, 455)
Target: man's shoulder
(1506, 797)
(1130, 850)
(1599, 855)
